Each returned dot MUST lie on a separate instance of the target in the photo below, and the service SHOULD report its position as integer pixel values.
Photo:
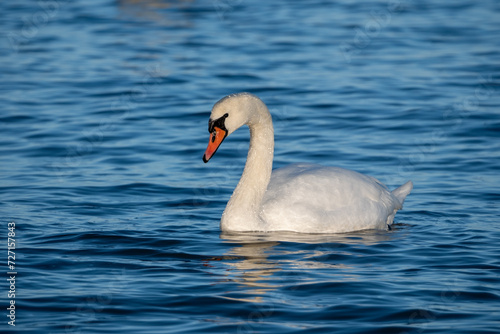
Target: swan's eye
(214, 134)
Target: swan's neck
(242, 210)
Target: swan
(303, 198)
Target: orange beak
(216, 138)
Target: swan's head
(228, 114)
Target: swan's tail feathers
(403, 191)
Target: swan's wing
(329, 188)
(326, 199)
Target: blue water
(104, 123)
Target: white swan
(302, 198)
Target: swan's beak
(216, 138)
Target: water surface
(104, 124)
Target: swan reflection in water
(263, 263)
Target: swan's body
(301, 197)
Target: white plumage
(301, 197)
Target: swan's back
(317, 199)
